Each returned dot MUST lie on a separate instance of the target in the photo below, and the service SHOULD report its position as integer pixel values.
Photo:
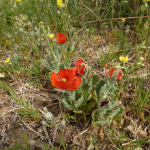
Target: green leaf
(78, 104)
(95, 79)
(94, 95)
(65, 103)
(71, 47)
(89, 106)
(105, 114)
(85, 87)
(26, 140)
(99, 86)
(63, 65)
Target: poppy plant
(65, 80)
(61, 38)
(112, 70)
(79, 69)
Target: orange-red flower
(111, 72)
(80, 69)
(61, 38)
(65, 80)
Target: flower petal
(111, 71)
(120, 71)
(67, 74)
(75, 84)
(63, 85)
(54, 79)
(82, 71)
(119, 75)
(78, 64)
(61, 38)
(74, 70)
(106, 69)
(123, 59)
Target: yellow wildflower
(7, 60)
(123, 19)
(51, 36)
(59, 2)
(123, 59)
(18, 0)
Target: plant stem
(47, 41)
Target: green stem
(47, 41)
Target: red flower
(80, 70)
(111, 72)
(65, 80)
(61, 38)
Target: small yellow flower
(123, 59)
(18, 0)
(51, 36)
(123, 19)
(7, 60)
(59, 2)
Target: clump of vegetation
(74, 64)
